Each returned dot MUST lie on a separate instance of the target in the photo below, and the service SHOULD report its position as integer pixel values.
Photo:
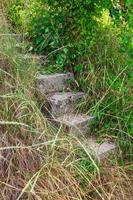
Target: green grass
(106, 78)
(39, 161)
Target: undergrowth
(39, 161)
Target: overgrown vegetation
(37, 161)
(93, 39)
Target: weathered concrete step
(53, 82)
(99, 151)
(17, 37)
(76, 124)
(39, 59)
(105, 149)
(61, 103)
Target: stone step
(53, 82)
(105, 149)
(38, 59)
(77, 124)
(17, 37)
(99, 151)
(61, 103)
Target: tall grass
(107, 80)
(37, 160)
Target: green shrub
(63, 30)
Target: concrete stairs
(60, 104)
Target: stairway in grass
(60, 103)
(60, 106)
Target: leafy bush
(63, 29)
